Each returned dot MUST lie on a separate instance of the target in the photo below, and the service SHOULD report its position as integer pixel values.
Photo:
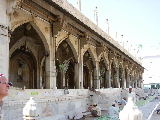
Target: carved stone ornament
(15, 14)
(46, 29)
(28, 27)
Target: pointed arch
(91, 51)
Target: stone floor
(90, 117)
(148, 111)
(154, 115)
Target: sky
(137, 20)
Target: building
(48, 45)
(151, 75)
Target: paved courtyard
(148, 110)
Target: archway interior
(26, 53)
(65, 64)
(88, 70)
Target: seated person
(96, 111)
(113, 112)
(158, 111)
(78, 115)
(123, 102)
(90, 107)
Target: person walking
(131, 94)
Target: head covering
(113, 103)
(130, 86)
(94, 104)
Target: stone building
(49, 44)
(151, 75)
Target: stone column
(108, 78)
(4, 37)
(76, 75)
(123, 79)
(127, 81)
(80, 76)
(136, 83)
(117, 78)
(96, 79)
(91, 78)
(48, 72)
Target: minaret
(96, 16)
(79, 4)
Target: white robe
(98, 109)
(133, 96)
(113, 112)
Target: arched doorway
(65, 64)
(88, 68)
(26, 53)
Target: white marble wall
(54, 104)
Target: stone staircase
(100, 99)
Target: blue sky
(137, 20)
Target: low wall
(54, 104)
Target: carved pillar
(123, 79)
(96, 77)
(108, 78)
(80, 83)
(63, 79)
(50, 62)
(117, 78)
(136, 82)
(91, 78)
(48, 72)
(127, 81)
(76, 77)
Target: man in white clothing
(113, 112)
(132, 94)
(96, 111)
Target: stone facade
(53, 45)
(50, 45)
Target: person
(113, 112)
(90, 107)
(130, 111)
(96, 111)
(4, 86)
(132, 94)
(78, 115)
(123, 102)
(158, 111)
